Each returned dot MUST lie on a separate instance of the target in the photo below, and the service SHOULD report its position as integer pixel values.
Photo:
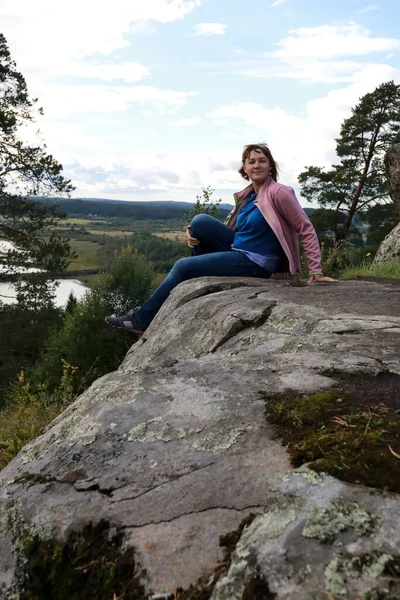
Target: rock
(392, 165)
(317, 538)
(153, 463)
(390, 247)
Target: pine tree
(358, 180)
(27, 175)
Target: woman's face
(257, 166)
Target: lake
(65, 287)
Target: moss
(12, 521)
(90, 563)
(325, 524)
(345, 432)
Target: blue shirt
(255, 238)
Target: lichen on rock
(325, 524)
(221, 440)
(343, 568)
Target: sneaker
(128, 322)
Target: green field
(87, 255)
(76, 221)
(172, 235)
(116, 233)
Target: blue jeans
(213, 256)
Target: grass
(27, 413)
(171, 235)
(351, 433)
(387, 270)
(110, 232)
(75, 221)
(87, 255)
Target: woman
(259, 237)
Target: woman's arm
(290, 209)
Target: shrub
(27, 412)
(85, 340)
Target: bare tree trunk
(392, 165)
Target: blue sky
(154, 99)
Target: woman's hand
(191, 241)
(320, 277)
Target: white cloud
(61, 36)
(316, 54)
(186, 122)
(60, 101)
(209, 29)
(239, 51)
(144, 27)
(278, 2)
(49, 41)
(331, 41)
(367, 9)
(129, 72)
(306, 70)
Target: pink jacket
(282, 211)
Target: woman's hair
(267, 152)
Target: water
(65, 287)
(63, 290)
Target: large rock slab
(173, 449)
(392, 166)
(390, 247)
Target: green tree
(326, 221)
(85, 340)
(71, 303)
(23, 333)
(205, 204)
(380, 219)
(358, 180)
(27, 171)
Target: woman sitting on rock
(259, 237)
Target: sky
(155, 99)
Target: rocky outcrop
(392, 165)
(132, 486)
(390, 247)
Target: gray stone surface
(317, 539)
(390, 247)
(173, 448)
(392, 165)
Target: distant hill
(171, 203)
(156, 210)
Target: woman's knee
(181, 268)
(200, 223)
